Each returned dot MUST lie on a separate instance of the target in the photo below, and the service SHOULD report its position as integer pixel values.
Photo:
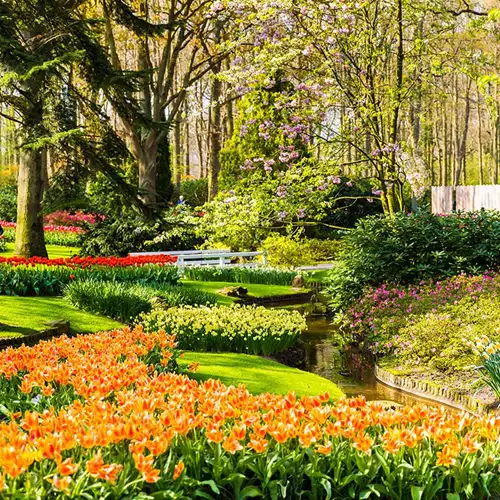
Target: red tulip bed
(40, 276)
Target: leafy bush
(283, 251)
(174, 229)
(65, 218)
(250, 275)
(195, 192)
(408, 248)
(428, 329)
(124, 301)
(8, 203)
(31, 279)
(251, 330)
(127, 427)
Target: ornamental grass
(104, 416)
(245, 329)
(251, 275)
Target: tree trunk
(215, 124)
(146, 154)
(30, 241)
(462, 145)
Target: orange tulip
(178, 469)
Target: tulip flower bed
(245, 329)
(104, 416)
(54, 235)
(38, 276)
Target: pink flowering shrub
(64, 218)
(424, 326)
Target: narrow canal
(349, 369)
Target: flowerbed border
(425, 390)
(57, 329)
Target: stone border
(57, 328)
(438, 394)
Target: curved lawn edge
(21, 316)
(258, 374)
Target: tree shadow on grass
(6, 330)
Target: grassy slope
(26, 315)
(259, 374)
(54, 251)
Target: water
(347, 367)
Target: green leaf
(250, 491)
(417, 492)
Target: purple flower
(301, 213)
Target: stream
(348, 368)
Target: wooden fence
(465, 198)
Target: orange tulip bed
(110, 416)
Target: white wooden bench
(219, 257)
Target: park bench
(221, 258)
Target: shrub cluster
(283, 251)
(429, 327)
(65, 218)
(8, 203)
(408, 248)
(252, 275)
(99, 416)
(246, 329)
(125, 301)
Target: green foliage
(431, 329)
(408, 248)
(245, 329)
(195, 192)
(58, 238)
(247, 141)
(490, 366)
(174, 229)
(3, 245)
(283, 251)
(42, 280)
(8, 203)
(124, 301)
(262, 276)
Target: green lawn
(26, 315)
(259, 374)
(253, 290)
(54, 251)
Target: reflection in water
(348, 368)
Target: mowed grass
(54, 251)
(258, 374)
(253, 290)
(27, 315)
